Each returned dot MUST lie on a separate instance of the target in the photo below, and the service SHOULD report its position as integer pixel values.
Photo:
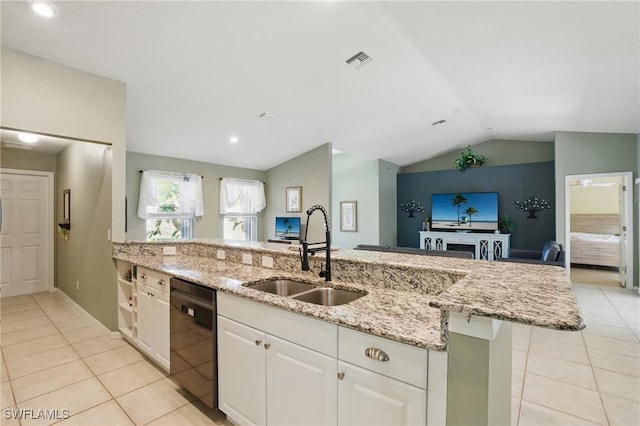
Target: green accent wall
(372, 183)
(13, 158)
(584, 153)
(388, 208)
(311, 171)
(85, 257)
(498, 153)
(467, 380)
(209, 225)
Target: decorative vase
(411, 214)
(532, 214)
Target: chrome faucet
(304, 257)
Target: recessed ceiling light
(28, 137)
(45, 8)
(233, 139)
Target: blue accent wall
(512, 182)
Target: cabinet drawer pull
(143, 276)
(267, 345)
(160, 282)
(375, 353)
(258, 342)
(340, 376)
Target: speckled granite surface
(406, 293)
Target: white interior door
(623, 235)
(26, 228)
(626, 234)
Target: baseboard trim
(110, 334)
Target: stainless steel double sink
(307, 292)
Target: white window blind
(241, 196)
(174, 193)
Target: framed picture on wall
(348, 216)
(294, 199)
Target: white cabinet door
(241, 373)
(145, 319)
(301, 385)
(161, 329)
(368, 398)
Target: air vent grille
(18, 145)
(358, 60)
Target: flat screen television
(465, 211)
(288, 228)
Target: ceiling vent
(358, 60)
(268, 115)
(18, 145)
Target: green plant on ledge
(506, 224)
(469, 159)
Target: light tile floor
(53, 357)
(581, 378)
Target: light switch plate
(169, 250)
(247, 259)
(221, 255)
(267, 261)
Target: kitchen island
(440, 304)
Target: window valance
(166, 192)
(241, 196)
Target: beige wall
(311, 171)
(498, 153)
(85, 257)
(595, 199)
(208, 226)
(45, 97)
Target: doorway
(599, 231)
(26, 232)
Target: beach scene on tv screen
(465, 211)
(288, 227)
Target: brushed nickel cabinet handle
(258, 342)
(377, 354)
(340, 376)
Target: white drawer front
(312, 333)
(406, 363)
(153, 279)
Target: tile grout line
(93, 376)
(593, 373)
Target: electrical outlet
(247, 259)
(221, 255)
(169, 250)
(77, 285)
(267, 261)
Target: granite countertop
(398, 315)
(538, 295)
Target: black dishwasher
(194, 361)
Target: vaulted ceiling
(198, 73)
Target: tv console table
(483, 246)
